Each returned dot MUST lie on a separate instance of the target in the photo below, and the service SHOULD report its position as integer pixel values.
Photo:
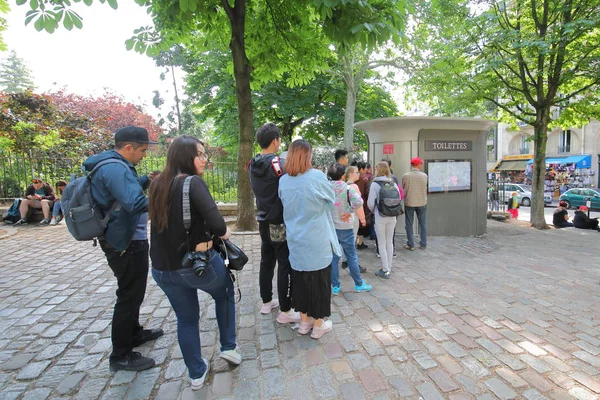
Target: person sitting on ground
(37, 195)
(560, 218)
(57, 214)
(347, 202)
(307, 199)
(582, 221)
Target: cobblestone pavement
(513, 314)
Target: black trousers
(271, 253)
(131, 270)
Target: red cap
(583, 208)
(415, 161)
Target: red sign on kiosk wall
(388, 149)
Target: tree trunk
(539, 169)
(176, 98)
(246, 217)
(349, 118)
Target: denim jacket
(308, 201)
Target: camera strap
(186, 209)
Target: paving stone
(32, 370)
(372, 381)
(169, 391)
(582, 394)
(270, 359)
(351, 391)
(424, 360)
(401, 386)
(449, 364)
(91, 388)
(509, 346)
(175, 369)
(116, 393)
(314, 357)
(322, 381)
(143, 384)
(454, 349)
(222, 384)
(70, 383)
(512, 362)
(429, 392)
(533, 394)
(18, 361)
(535, 363)
(587, 381)
(513, 379)
(474, 366)
(37, 394)
(359, 361)
(442, 380)
(532, 348)
(536, 380)
(386, 366)
(588, 358)
(52, 351)
(333, 350)
(341, 370)
(500, 389)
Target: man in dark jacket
(582, 221)
(125, 242)
(38, 195)
(265, 170)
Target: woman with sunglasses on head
(170, 242)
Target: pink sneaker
(304, 328)
(325, 327)
(288, 317)
(267, 307)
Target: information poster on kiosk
(449, 176)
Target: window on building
(564, 142)
(524, 145)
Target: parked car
(578, 197)
(523, 193)
(547, 196)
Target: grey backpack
(85, 220)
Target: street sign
(388, 148)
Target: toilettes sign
(448, 145)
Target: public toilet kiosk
(453, 151)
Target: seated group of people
(41, 195)
(560, 218)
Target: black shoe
(362, 269)
(361, 246)
(133, 361)
(20, 222)
(146, 335)
(344, 264)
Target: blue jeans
(181, 287)
(346, 239)
(409, 217)
(56, 210)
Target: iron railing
(17, 171)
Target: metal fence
(17, 171)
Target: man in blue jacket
(125, 242)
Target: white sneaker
(267, 307)
(199, 382)
(325, 327)
(53, 222)
(231, 356)
(288, 317)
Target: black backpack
(388, 201)
(83, 216)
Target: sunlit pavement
(512, 314)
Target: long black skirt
(311, 292)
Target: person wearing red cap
(414, 184)
(582, 221)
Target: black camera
(196, 260)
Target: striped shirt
(414, 184)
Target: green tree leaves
(14, 75)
